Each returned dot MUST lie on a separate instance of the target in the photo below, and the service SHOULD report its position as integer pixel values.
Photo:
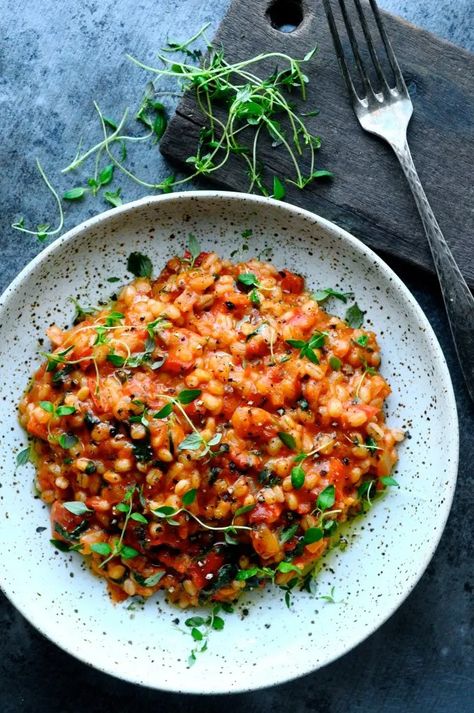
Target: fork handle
(458, 299)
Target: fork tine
(400, 82)
(370, 44)
(355, 50)
(340, 52)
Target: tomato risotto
(209, 430)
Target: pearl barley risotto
(209, 430)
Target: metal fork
(386, 112)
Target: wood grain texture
(369, 195)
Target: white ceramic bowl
(390, 547)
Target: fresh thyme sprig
(201, 627)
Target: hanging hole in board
(285, 15)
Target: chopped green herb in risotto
(208, 431)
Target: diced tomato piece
(292, 283)
(304, 508)
(41, 371)
(265, 513)
(337, 474)
(310, 555)
(81, 353)
(302, 322)
(256, 347)
(201, 569)
(114, 493)
(195, 408)
(371, 411)
(40, 430)
(173, 365)
(232, 401)
(98, 396)
(337, 470)
(117, 594)
(199, 258)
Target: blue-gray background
(56, 57)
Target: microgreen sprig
(57, 411)
(232, 99)
(249, 101)
(194, 249)
(169, 514)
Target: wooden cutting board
(368, 195)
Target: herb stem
(184, 45)
(102, 144)
(223, 528)
(60, 225)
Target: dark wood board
(369, 195)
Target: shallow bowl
(263, 642)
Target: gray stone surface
(56, 58)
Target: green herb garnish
(194, 248)
(201, 627)
(77, 507)
(189, 497)
(313, 534)
(119, 549)
(329, 598)
(279, 191)
(114, 198)
(297, 477)
(287, 439)
(23, 456)
(307, 348)
(74, 194)
(388, 480)
(193, 441)
(248, 279)
(355, 316)
(152, 114)
(326, 498)
(139, 265)
(68, 440)
(323, 295)
(362, 341)
(289, 533)
(232, 98)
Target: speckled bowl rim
(398, 285)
